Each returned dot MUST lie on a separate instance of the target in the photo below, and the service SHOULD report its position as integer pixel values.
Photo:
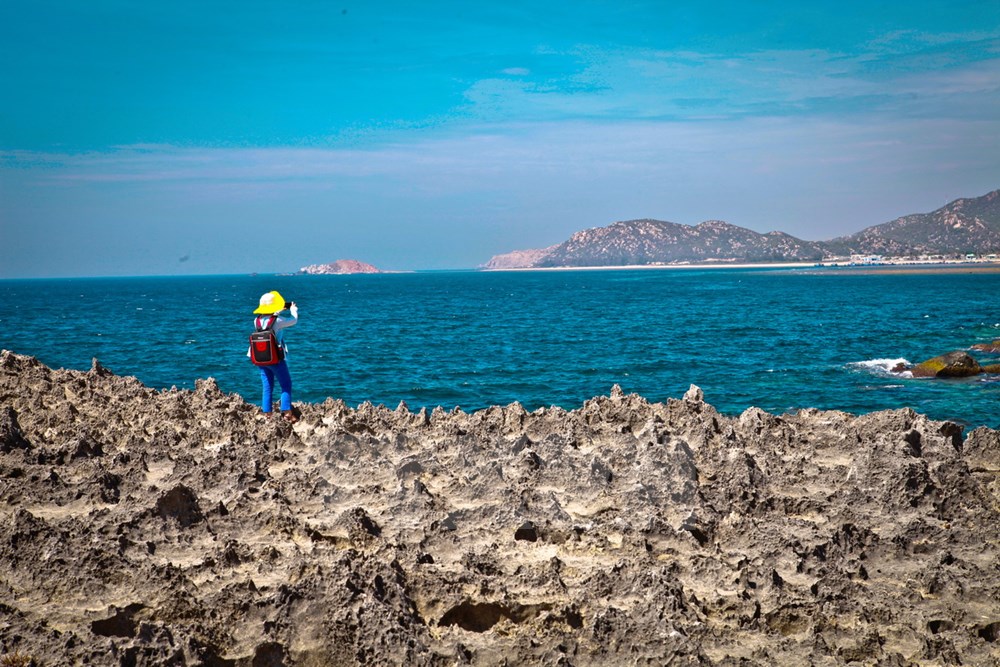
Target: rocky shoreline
(144, 527)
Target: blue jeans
(267, 374)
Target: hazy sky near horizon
(186, 137)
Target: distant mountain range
(963, 226)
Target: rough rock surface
(143, 527)
(956, 364)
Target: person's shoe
(290, 416)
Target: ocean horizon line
(883, 266)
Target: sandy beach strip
(629, 267)
(913, 269)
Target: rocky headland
(518, 259)
(144, 527)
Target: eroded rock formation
(957, 364)
(142, 527)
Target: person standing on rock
(267, 311)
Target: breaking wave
(882, 367)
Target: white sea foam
(882, 366)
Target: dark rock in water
(992, 348)
(621, 532)
(956, 364)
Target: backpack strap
(270, 323)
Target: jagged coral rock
(622, 532)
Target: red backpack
(264, 347)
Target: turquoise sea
(777, 339)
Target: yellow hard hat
(270, 303)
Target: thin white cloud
(901, 71)
(681, 171)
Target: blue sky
(145, 138)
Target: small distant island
(339, 267)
